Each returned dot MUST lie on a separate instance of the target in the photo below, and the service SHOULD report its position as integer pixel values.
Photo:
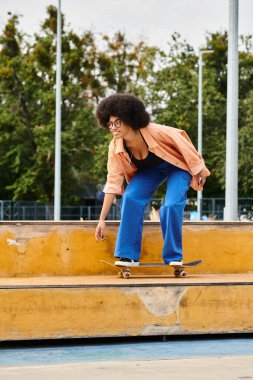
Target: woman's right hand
(108, 200)
(99, 234)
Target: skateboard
(179, 271)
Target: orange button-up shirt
(171, 144)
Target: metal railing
(212, 209)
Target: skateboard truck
(178, 272)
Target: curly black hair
(128, 108)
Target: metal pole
(2, 210)
(231, 195)
(57, 178)
(199, 193)
(200, 63)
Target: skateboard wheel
(120, 274)
(180, 273)
(126, 274)
(177, 272)
(183, 273)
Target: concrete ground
(141, 279)
(207, 368)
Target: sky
(153, 20)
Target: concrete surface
(70, 249)
(53, 284)
(130, 309)
(73, 307)
(227, 368)
(144, 279)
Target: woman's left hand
(201, 178)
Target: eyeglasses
(114, 124)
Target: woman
(146, 154)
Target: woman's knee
(171, 203)
(132, 199)
(174, 203)
(129, 197)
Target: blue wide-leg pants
(137, 195)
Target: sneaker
(125, 262)
(176, 263)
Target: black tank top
(147, 163)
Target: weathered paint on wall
(69, 248)
(123, 311)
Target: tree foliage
(167, 81)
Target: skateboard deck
(179, 270)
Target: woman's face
(117, 127)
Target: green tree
(166, 80)
(28, 89)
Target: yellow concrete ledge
(71, 307)
(69, 248)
